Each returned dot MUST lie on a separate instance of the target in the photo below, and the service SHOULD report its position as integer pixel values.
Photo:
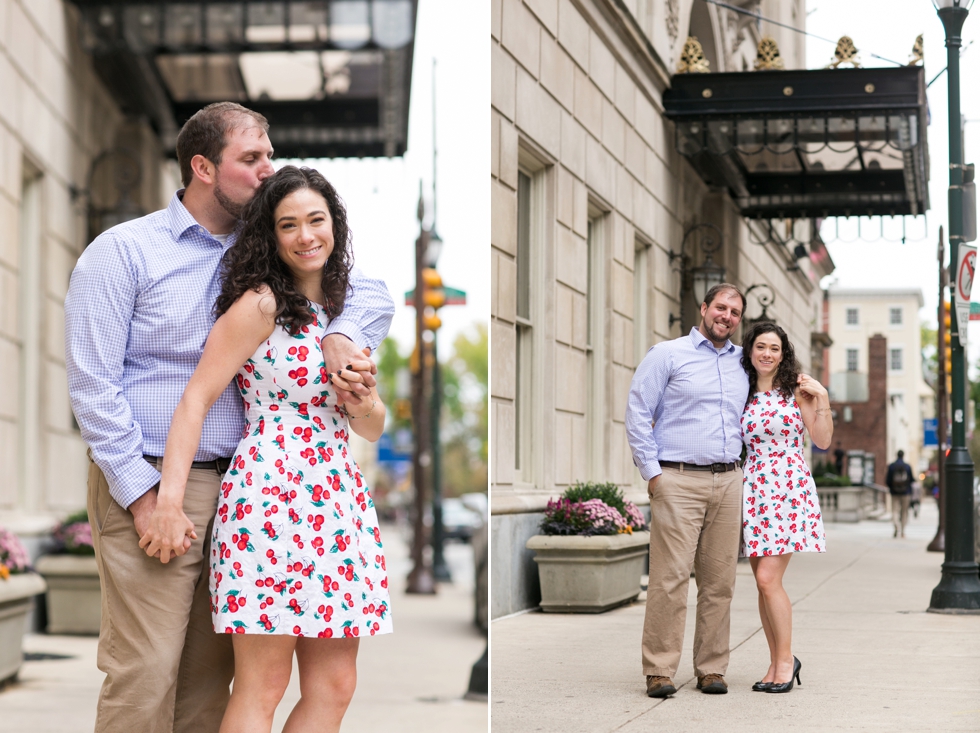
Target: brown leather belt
(218, 465)
(713, 467)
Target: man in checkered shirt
(138, 312)
(683, 425)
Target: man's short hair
(206, 133)
(709, 297)
(901, 455)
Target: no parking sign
(966, 265)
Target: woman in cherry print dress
(297, 563)
(780, 513)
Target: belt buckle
(719, 467)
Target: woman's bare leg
(774, 603)
(262, 668)
(767, 629)
(327, 678)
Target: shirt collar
(181, 220)
(698, 338)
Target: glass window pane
(392, 22)
(307, 22)
(182, 25)
(721, 136)
(224, 23)
(266, 23)
(350, 25)
(523, 246)
(142, 23)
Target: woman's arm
(367, 418)
(814, 405)
(233, 339)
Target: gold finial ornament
(767, 55)
(692, 58)
(845, 53)
(917, 53)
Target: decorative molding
(845, 53)
(692, 58)
(672, 20)
(767, 55)
(739, 27)
(917, 52)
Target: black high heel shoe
(787, 686)
(761, 686)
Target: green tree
(393, 378)
(465, 416)
(927, 341)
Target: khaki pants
(695, 521)
(166, 670)
(900, 512)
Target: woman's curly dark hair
(254, 259)
(789, 368)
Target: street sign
(453, 297)
(930, 432)
(966, 265)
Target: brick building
(863, 424)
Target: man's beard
(232, 207)
(717, 326)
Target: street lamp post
(959, 589)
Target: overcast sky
(888, 28)
(382, 194)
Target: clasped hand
(165, 531)
(351, 371)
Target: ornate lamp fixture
(698, 280)
(765, 299)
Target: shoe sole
(714, 690)
(665, 691)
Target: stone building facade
(589, 200)
(855, 314)
(66, 152)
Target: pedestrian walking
(138, 312)
(781, 512)
(898, 479)
(682, 422)
(839, 458)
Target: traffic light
(433, 297)
(948, 346)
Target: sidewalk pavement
(873, 659)
(412, 680)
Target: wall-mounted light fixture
(698, 280)
(122, 167)
(765, 297)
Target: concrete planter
(589, 574)
(74, 593)
(16, 601)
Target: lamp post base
(958, 591)
(938, 543)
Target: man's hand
(167, 532)
(340, 353)
(652, 484)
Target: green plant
(830, 479)
(74, 535)
(591, 509)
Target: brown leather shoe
(659, 686)
(712, 684)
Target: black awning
(333, 77)
(818, 143)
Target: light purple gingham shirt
(138, 312)
(695, 394)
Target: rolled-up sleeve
(98, 312)
(367, 313)
(643, 408)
